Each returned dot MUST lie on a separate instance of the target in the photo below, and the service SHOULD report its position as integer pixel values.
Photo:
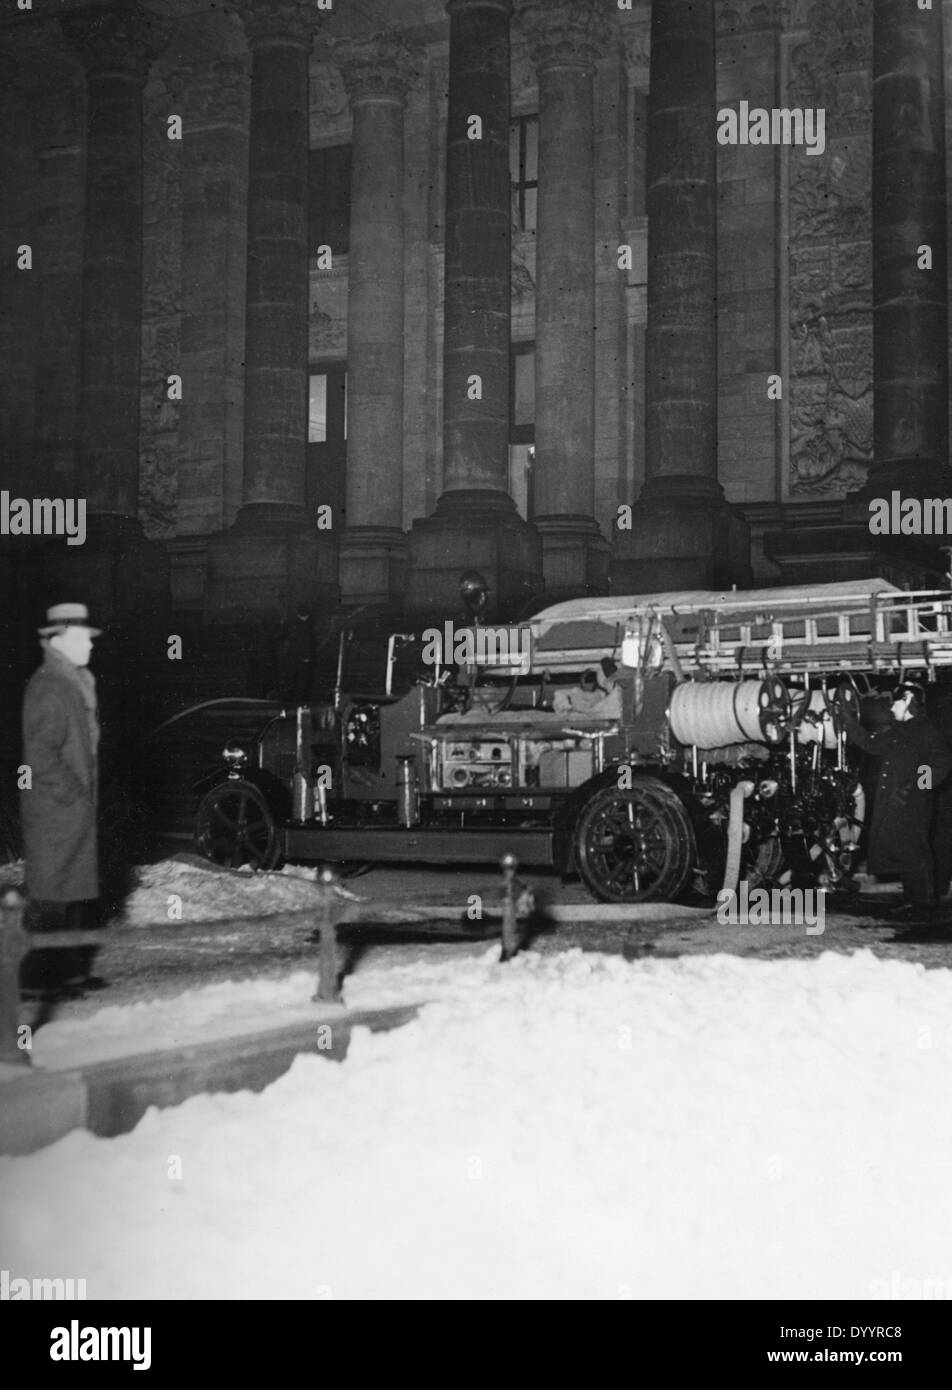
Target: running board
(419, 845)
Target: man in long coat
(914, 759)
(58, 804)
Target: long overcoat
(913, 758)
(58, 810)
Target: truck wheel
(234, 825)
(634, 846)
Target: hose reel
(713, 714)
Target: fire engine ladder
(884, 632)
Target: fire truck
(653, 745)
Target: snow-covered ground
(569, 1126)
(187, 889)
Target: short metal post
(12, 950)
(510, 931)
(328, 990)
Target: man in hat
(58, 806)
(914, 759)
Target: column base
(575, 556)
(682, 542)
(473, 529)
(374, 566)
(915, 558)
(840, 550)
(263, 567)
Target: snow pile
(208, 894)
(568, 1126)
(12, 874)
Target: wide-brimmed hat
(64, 615)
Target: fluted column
(682, 254)
(566, 37)
(683, 534)
(373, 562)
(276, 307)
(117, 47)
(477, 250)
(18, 289)
(910, 311)
(214, 101)
(273, 557)
(57, 118)
(476, 524)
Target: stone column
(18, 290)
(118, 571)
(566, 37)
(910, 314)
(276, 307)
(117, 47)
(57, 118)
(476, 524)
(214, 103)
(683, 534)
(274, 557)
(373, 559)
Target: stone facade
(157, 257)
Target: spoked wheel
(234, 825)
(635, 846)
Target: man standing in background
(914, 760)
(59, 796)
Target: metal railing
(334, 907)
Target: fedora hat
(64, 615)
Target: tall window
(524, 170)
(329, 199)
(326, 470)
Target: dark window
(524, 170)
(329, 198)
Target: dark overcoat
(58, 811)
(903, 798)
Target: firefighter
(589, 697)
(914, 759)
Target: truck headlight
(234, 758)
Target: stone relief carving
(328, 95)
(831, 397)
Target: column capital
(118, 42)
(284, 20)
(636, 36)
(731, 16)
(381, 68)
(565, 33)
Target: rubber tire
(257, 844)
(667, 843)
